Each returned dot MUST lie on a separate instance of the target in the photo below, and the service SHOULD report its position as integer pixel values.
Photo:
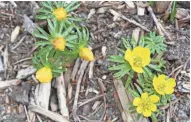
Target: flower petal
(154, 98)
(128, 56)
(146, 56)
(44, 75)
(147, 113)
(86, 54)
(138, 50)
(161, 77)
(137, 101)
(139, 109)
(137, 69)
(169, 90)
(153, 107)
(171, 82)
(155, 81)
(144, 95)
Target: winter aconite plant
(58, 9)
(139, 64)
(61, 42)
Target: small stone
(104, 77)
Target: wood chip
(23, 73)
(54, 116)
(140, 11)
(130, 4)
(15, 33)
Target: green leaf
(38, 35)
(67, 31)
(42, 10)
(138, 88)
(70, 5)
(121, 73)
(117, 59)
(154, 67)
(44, 16)
(173, 12)
(132, 92)
(43, 32)
(129, 79)
(47, 5)
(42, 43)
(153, 116)
(119, 67)
(154, 43)
(138, 116)
(50, 25)
(71, 38)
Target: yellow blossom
(138, 58)
(44, 75)
(163, 85)
(60, 14)
(145, 104)
(86, 54)
(59, 43)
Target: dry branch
(129, 20)
(75, 69)
(54, 116)
(61, 93)
(81, 73)
(5, 84)
(161, 30)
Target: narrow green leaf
(117, 59)
(173, 12)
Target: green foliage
(123, 68)
(76, 37)
(153, 42)
(173, 11)
(48, 56)
(47, 8)
(149, 88)
(137, 83)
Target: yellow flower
(138, 58)
(163, 85)
(44, 75)
(86, 54)
(60, 14)
(59, 43)
(145, 104)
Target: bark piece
(42, 94)
(61, 93)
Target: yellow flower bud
(59, 43)
(60, 14)
(44, 75)
(86, 54)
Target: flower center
(145, 104)
(137, 61)
(161, 87)
(60, 13)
